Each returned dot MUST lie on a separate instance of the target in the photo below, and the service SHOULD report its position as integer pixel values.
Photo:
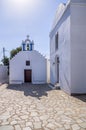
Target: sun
(22, 8)
(20, 5)
(24, 3)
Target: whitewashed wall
(64, 56)
(3, 74)
(52, 60)
(48, 71)
(38, 64)
(72, 48)
(78, 1)
(63, 52)
(78, 46)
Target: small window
(28, 63)
(56, 41)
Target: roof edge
(66, 6)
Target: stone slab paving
(37, 107)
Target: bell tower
(27, 45)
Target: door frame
(57, 68)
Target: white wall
(38, 64)
(48, 71)
(64, 55)
(78, 46)
(3, 74)
(72, 48)
(63, 29)
(78, 1)
(52, 60)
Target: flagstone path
(37, 107)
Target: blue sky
(19, 18)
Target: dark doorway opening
(28, 76)
(57, 69)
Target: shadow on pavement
(31, 90)
(81, 97)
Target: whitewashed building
(68, 47)
(29, 66)
(3, 74)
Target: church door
(28, 76)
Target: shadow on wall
(31, 90)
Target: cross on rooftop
(27, 36)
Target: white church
(29, 66)
(68, 47)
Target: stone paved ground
(29, 107)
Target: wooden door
(28, 76)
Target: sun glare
(21, 3)
(20, 7)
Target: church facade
(68, 47)
(29, 66)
